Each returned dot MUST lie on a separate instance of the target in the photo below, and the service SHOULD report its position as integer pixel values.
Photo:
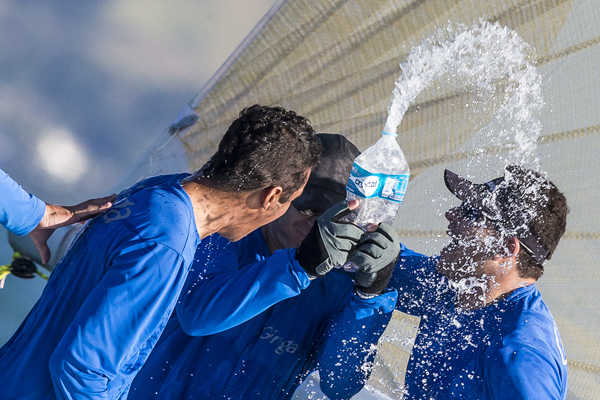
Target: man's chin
(445, 265)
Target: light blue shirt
(20, 212)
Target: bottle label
(364, 184)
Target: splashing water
(492, 69)
(490, 62)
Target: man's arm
(523, 372)
(20, 212)
(347, 350)
(217, 286)
(23, 213)
(414, 277)
(119, 322)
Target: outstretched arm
(58, 216)
(221, 292)
(348, 348)
(23, 213)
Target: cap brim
(462, 188)
(468, 192)
(317, 198)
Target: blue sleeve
(20, 212)
(414, 278)
(522, 372)
(115, 327)
(219, 292)
(345, 358)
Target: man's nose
(452, 214)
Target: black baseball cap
(326, 185)
(509, 201)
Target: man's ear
(270, 195)
(513, 246)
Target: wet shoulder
(154, 209)
(524, 320)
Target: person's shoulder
(525, 309)
(161, 197)
(156, 209)
(526, 321)
(409, 257)
(416, 263)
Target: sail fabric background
(336, 61)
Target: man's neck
(214, 210)
(270, 238)
(489, 290)
(500, 291)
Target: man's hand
(329, 241)
(375, 255)
(58, 216)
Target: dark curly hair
(544, 209)
(265, 146)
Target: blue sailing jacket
(107, 301)
(507, 350)
(20, 212)
(292, 327)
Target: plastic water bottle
(378, 180)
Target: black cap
(508, 202)
(327, 182)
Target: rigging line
(570, 50)
(583, 366)
(581, 235)
(528, 9)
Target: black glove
(375, 251)
(382, 278)
(328, 243)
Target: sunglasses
(470, 213)
(474, 214)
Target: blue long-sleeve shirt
(507, 350)
(107, 301)
(297, 328)
(20, 212)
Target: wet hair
(265, 146)
(529, 194)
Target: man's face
(474, 244)
(289, 230)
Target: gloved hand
(382, 278)
(375, 255)
(329, 241)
